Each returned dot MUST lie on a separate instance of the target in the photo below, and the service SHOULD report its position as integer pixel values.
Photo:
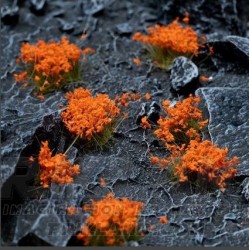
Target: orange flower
(25, 85)
(186, 18)
(144, 123)
(151, 228)
(211, 50)
(111, 218)
(134, 96)
(37, 78)
(207, 161)
(20, 77)
(52, 61)
(147, 96)
(83, 36)
(72, 210)
(137, 61)
(173, 37)
(31, 160)
(87, 115)
(182, 123)
(204, 78)
(88, 50)
(41, 97)
(154, 160)
(124, 100)
(55, 168)
(102, 182)
(163, 220)
(85, 235)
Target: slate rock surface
(21, 117)
(228, 111)
(10, 15)
(196, 217)
(231, 53)
(241, 43)
(48, 219)
(245, 188)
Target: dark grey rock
(227, 110)
(231, 53)
(183, 73)
(195, 217)
(245, 188)
(142, 113)
(9, 15)
(38, 6)
(229, 17)
(124, 29)
(21, 118)
(153, 114)
(230, 216)
(241, 43)
(47, 218)
(67, 27)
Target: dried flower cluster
(190, 157)
(49, 65)
(207, 161)
(88, 115)
(166, 42)
(111, 221)
(55, 168)
(144, 123)
(183, 122)
(126, 97)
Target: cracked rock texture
(229, 121)
(197, 216)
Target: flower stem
(71, 144)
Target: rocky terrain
(33, 216)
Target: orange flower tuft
(163, 220)
(211, 50)
(137, 61)
(186, 18)
(52, 61)
(72, 210)
(151, 228)
(207, 161)
(88, 115)
(83, 36)
(20, 77)
(25, 85)
(204, 78)
(144, 123)
(31, 159)
(55, 168)
(88, 50)
(147, 96)
(173, 37)
(182, 123)
(102, 182)
(41, 97)
(124, 100)
(111, 218)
